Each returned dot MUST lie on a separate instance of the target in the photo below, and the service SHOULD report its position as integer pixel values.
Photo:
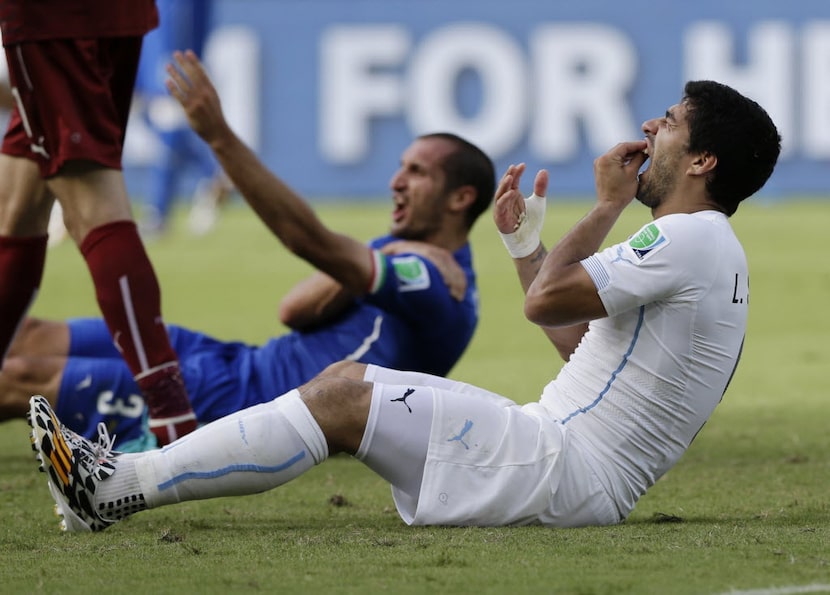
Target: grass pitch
(746, 508)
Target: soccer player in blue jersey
(408, 300)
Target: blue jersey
(409, 322)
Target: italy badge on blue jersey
(411, 273)
(647, 241)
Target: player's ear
(703, 163)
(462, 198)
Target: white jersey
(644, 380)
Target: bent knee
(17, 369)
(31, 375)
(340, 405)
(344, 369)
(14, 398)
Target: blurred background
(328, 92)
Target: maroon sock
(128, 294)
(21, 269)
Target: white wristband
(527, 237)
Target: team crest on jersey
(647, 241)
(411, 272)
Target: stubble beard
(658, 183)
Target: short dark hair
(739, 133)
(468, 166)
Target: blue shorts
(97, 385)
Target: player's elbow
(292, 314)
(546, 309)
(538, 310)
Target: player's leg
(24, 215)
(374, 373)
(83, 391)
(381, 375)
(95, 390)
(91, 188)
(98, 386)
(394, 429)
(76, 337)
(40, 337)
(465, 457)
(22, 377)
(248, 452)
(127, 291)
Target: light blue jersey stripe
(231, 469)
(616, 372)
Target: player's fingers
(505, 184)
(187, 66)
(194, 69)
(509, 171)
(517, 175)
(459, 290)
(627, 150)
(176, 83)
(179, 60)
(174, 90)
(176, 69)
(540, 184)
(636, 160)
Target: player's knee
(345, 369)
(14, 403)
(28, 326)
(32, 374)
(15, 370)
(340, 405)
(338, 393)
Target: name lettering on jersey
(740, 293)
(649, 240)
(411, 272)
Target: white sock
(120, 495)
(248, 452)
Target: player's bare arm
(509, 213)
(319, 298)
(279, 207)
(563, 293)
(313, 301)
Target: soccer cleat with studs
(76, 466)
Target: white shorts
(491, 462)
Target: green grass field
(746, 509)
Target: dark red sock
(21, 269)
(130, 300)
(128, 294)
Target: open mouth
(398, 212)
(647, 153)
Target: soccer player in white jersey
(652, 330)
